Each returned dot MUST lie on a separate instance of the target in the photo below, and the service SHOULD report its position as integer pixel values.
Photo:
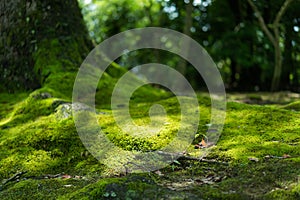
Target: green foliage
(229, 31)
(105, 19)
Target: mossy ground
(261, 145)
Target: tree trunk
(277, 68)
(40, 40)
(286, 81)
(274, 38)
(188, 23)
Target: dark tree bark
(38, 39)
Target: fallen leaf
(66, 176)
(286, 156)
(158, 173)
(203, 143)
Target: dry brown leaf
(66, 176)
(286, 156)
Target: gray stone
(43, 95)
(64, 110)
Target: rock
(64, 110)
(81, 107)
(43, 95)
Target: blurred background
(247, 42)
(255, 44)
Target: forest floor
(256, 157)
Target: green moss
(28, 109)
(115, 70)
(132, 187)
(34, 139)
(56, 66)
(259, 131)
(52, 57)
(43, 189)
(60, 85)
(8, 102)
(295, 106)
(256, 97)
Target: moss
(139, 113)
(109, 79)
(29, 109)
(52, 57)
(56, 66)
(8, 102)
(60, 85)
(115, 70)
(295, 106)
(43, 189)
(255, 131)
(132, 187)
(34, 139)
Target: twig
(47, 176)
(13, 178)
(185, 157)
(262, 22)
(280, 157)
(204, 160)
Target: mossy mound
(33, 139)
(259, 143)
(294, 106)
(259, 131)
(131, 187)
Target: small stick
(185, 157)
(203, 160)
(13, 178)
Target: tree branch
(281, 12)
(262, 22)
